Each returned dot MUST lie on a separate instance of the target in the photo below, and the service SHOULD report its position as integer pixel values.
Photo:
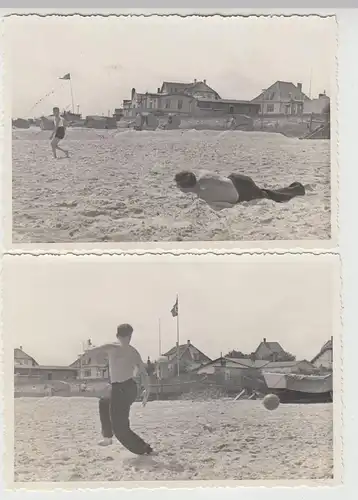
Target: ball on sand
(271, 401)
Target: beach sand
(117, 186)
(56, 440)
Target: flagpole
(73, 103)
(178, 339)
(159, 338)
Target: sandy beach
(117, 186)
(56, 440)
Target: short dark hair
(56, 108)
(185, 179)
(124, 330)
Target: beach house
(282, 99)
(271, 351)
(21, 358)
(190, 358)
(237, 370)
(92, 364)
(316, 106)
(193, 99)
(324, 359)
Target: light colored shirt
(125, 362)
(218, 191)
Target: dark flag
(67, 76)
(175, 309)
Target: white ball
(271, 401)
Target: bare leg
(54, 143)
(55, 146)
(63, 151)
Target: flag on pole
(67, 76)
(175, 308)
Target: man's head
(124, 333)
(56, 111)
(185, 180)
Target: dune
(56, 440)
(117, 186)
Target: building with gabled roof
(324, 359)
(21, 358)
(282, 99)
(190, 357)
(270, 351)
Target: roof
(44, 367)
(20, 354)
(257, 363)
(182, 349)
(188, 86)
(328, 346)
(228, 101)
(284, 91)
(179, 85)
(274, 347)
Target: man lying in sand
(124, 361)
(59, 133)
(221, 192)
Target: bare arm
(142, 371)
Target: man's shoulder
(135, 352)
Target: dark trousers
(248, 190)
(114, 416)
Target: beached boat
(296, 388)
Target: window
(231, 110)
(270, 108)
(87, 373)
(180, 104)
(167, 103)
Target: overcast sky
(52, 305)
(108, 56)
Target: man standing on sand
(124, 362)
(221, 192)
(59, 132)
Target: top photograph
(183, 131)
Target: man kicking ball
(221, 192)
(59, 133)
(124, 361)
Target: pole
(178, 338)
(310, 84)
(159, 339)
(73, 104)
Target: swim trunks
(60, 133)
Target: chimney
(20, 347)
(299, 86)
(264, 340)
(133, 92)
(158, 90)
(188, 342)
(194, 80)
(204, 81)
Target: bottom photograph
(166, 369)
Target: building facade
(324, 359)
(282, 99)
(195, 99)
(190, 358)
